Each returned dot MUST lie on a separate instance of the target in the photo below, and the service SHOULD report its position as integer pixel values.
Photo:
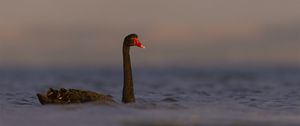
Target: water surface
(171, 96)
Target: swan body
(71, 96)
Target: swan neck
(128, 90)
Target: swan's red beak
(138, 43)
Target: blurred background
(76, 33)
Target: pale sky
(175, 32)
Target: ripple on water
(20, 98)
(170, 99)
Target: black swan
(69, 96)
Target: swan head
(133, 40)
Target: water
(165, 97)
